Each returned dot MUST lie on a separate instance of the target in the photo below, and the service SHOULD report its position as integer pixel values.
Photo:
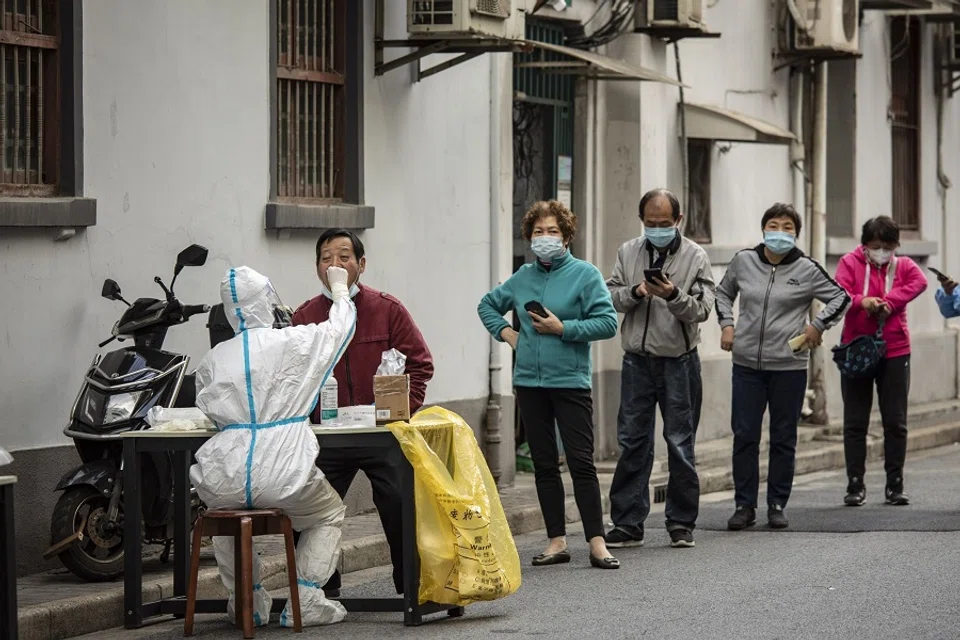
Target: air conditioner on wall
(670, 14)
(451, 18)
(823, 27)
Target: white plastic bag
(5, 457)
(178, 419)
(392, 363)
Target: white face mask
(879, 256)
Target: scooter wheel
(98, 556)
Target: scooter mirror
(193, 256)
(111, 290)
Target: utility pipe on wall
(797, 149)
(492, 438)
(818, 230)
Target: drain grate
(660, 493)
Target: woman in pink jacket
(881, 285)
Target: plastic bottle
(328, 401)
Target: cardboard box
(392, 395)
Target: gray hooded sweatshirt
(655, 326)
(774, 306)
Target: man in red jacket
(382, 324)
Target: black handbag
(861, 357)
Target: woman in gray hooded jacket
(776, 283)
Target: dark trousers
(675, 385)
(570, 410)
(382, 468)
(753, 393)
(893, 387)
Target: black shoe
(331, 593)
(856, 493)
(545, 559)
(619, 538)
(743, 518)
(604, 563)
(896, 496)
(775, 517)
(681, 538)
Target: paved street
(809, 582)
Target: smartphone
(652, 275)
(942, 277)
(535, 307)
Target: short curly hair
(566, 219)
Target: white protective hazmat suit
(260, 388)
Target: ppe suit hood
(248, 299)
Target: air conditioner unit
(451, 18)
(671, 14)
(824, 26)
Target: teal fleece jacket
(575, 292)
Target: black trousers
(382, 468)
(893, 388)
(570, 410)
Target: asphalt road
(901, 582)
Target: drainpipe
(491, 436)
(818, 230)
(797, 149)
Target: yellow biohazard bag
(467, 553)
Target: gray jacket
(654, 326)
(774, 306)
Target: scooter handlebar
(194, 309)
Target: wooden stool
(242, 526)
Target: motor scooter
(119, 388)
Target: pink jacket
(908, 283)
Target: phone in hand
(942, 277)
(652, 275)
(535, 307)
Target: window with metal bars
(29, 97)
(905, 51)
(697, 226)
(311, 75)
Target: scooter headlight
(120, 406)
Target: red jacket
(383, 323)
(908, 283)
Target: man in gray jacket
(660, 334)
(776, 284)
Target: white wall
(176, 150)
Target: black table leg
(181, 522)
(412, 616)
(8, 566)
(132, 552)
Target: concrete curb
(89, 614)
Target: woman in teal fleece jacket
(553, 371)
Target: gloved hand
(337, 277)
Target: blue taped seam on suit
(265, 425)
(326, 376)
(256, 619)
(312, 585)
(253, 419)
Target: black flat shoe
(544, 559)
(604, 563)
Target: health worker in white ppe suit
(259, 389)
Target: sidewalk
(55, 605)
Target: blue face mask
(660, 237)
(780, 242)
(547, 247)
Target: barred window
(311, 69)
(905, 53)
(698, 208)
(30, 98)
